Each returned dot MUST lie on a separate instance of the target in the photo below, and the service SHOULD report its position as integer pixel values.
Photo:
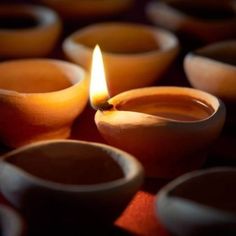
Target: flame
(98, 86)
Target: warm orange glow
(98, 87)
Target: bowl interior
(122, 39)
(170, 106)
(69, 163)
(32, 76)
(209, 9)
(214, 189)
(18, 21)
(224, 52)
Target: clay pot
(79, 9)
(199, 203)
(169, 129)
(11, 224)
(70, 185)
(213, 69)
(134, 55)
(39, 99)
(27, 30)
(207, 20)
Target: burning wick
(99, 94)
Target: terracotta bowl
(80, 9)
(169, 129)
(207, 20)
(11, 223)
(134, 55)
(199, 203)
(39, 99)
(27, 30)
(213, 69)
(70, 185)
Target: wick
(103, 106)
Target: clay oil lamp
(213, 69)
(27, 30)
(135, 55)
(207, 20)
(39, 99)
(69, 185)
(11, 223)
(199, 203)
(89, 9)
(169, 129)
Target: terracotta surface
(139, 218)
(134, 55)
(44, 104)
(196, 19)
(219, 61)
(166, 143)
(38, 40)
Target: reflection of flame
(98, 87)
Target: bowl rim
(134, 173)
(45, 16)
(81, 76)
(200, 53)
(173, 44)
(215, 102)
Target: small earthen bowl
(213, 69)
(27, 30)
(134, 55)
(11, 223)
(199, 203)
(169, 129)
(70, 184)
(39, 99)
(207, 20)
(89, 9)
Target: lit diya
(169, 129)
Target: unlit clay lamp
(213, 69)
(200, 203)
(70, 185)
(39, 99)
(169, 129)
(208, 20)
(27, 30)
(11, 223)
(135, 55)
(89, 9)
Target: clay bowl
(39, 99)
(213, 69)
(27, 30)
(89, 9)
(70, 185)
(199, 203)
(11, 223)
(207, 20)
(134, 55)
(169, 129)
